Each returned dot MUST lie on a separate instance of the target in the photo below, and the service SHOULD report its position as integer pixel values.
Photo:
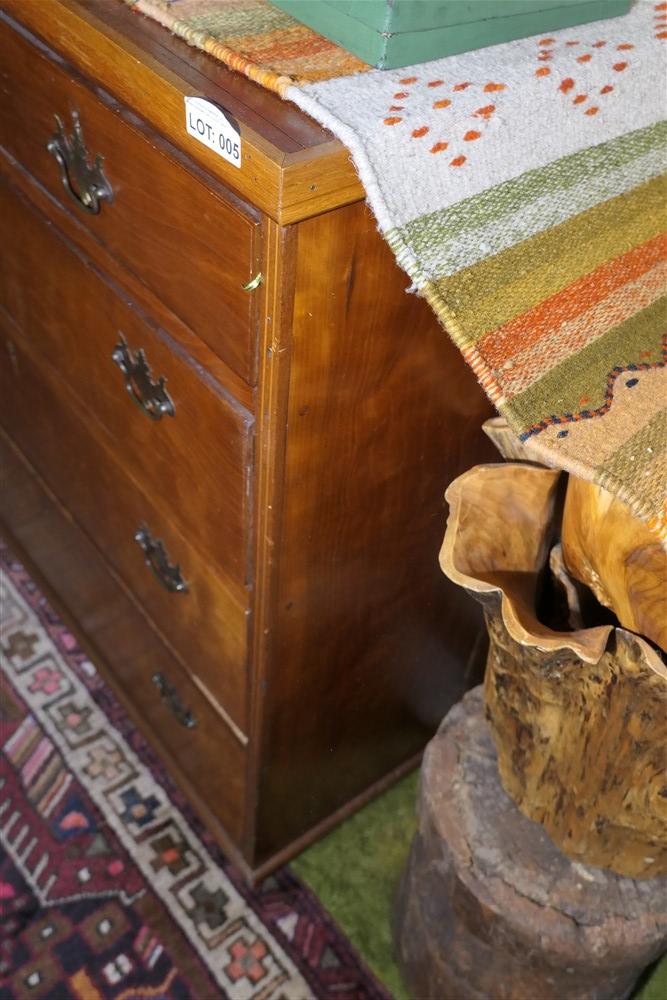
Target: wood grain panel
(207, 625)
(370, 643)
(203, 479)
(165, 224)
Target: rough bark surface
(582, 747)
(490, 909)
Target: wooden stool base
(490, 909)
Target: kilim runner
(110, 887)
(520, 186)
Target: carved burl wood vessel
(604, 546)
(618, 556)
(579, 717)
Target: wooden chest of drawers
(250, 553)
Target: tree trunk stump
(490, 909)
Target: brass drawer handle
(151, 397)
(254, 283)
(85, 183)
(169, 574)
(169, 695)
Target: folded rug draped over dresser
(522, 189)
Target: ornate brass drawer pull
(157, 560)
(169, 696)
(151, 396)
(84, 183)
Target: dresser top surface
(292, 168)
(281, 123)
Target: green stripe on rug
(228, 23)
(642, 455)
(585, 373)
(490, 293)
(446, 256)
(594, 174)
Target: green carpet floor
(355, 871)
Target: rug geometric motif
(109, 885)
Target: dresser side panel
(277, 307)
(370, 643)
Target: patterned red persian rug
(110, 887)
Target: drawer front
(196, 462)
(183, 240)
(176, 715)
(200, 612)
(132, 655)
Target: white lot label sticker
(206, 122)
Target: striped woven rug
(521, 187)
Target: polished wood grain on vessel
(207, 625)
(370, 642)
(166, 224)
(205, 481)
(616, 555)
(121, 643)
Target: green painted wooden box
(392, 33)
